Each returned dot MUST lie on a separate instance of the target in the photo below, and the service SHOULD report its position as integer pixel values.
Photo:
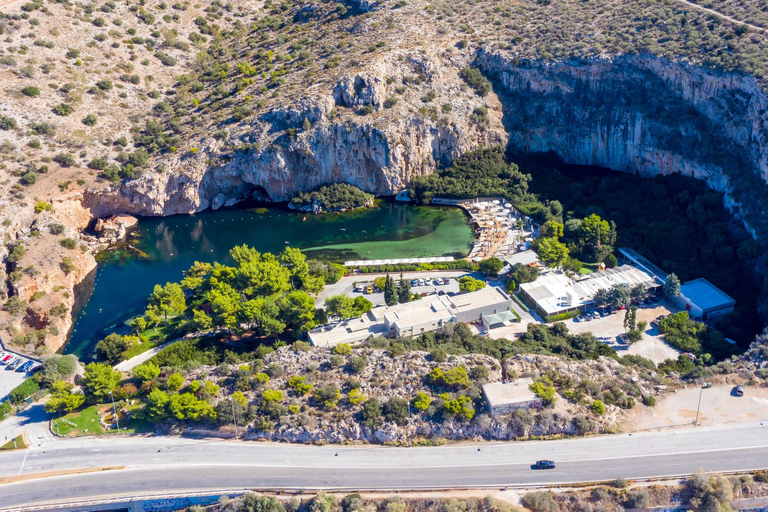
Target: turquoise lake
(118, 288)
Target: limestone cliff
(633, 113)
(355, 136)
(642, 114)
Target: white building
(703, 300)
(554, 292)
(413, 318)
(505, 397)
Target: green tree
(598, 407)
(146, 371)
(99, 379)
(112, 348)
(551, 251)
(157, 405)
(610, 261)
(396, 409)
(252, 502)
(370, 415)
(672, 286)
(492, 266)
(404, 291)
(470, 284)
(297, 310)
(421, 401)
(168, 300)
(544, 389)
(62, 398)
(174, 382)
(630, 319)
(390, 291)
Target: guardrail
(133, 498)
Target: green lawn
(588, 268)
(20, 444)
(80, 423)
(153, 337)
(86, 422)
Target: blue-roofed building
(703, 300)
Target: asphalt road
(159, 464)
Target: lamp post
(234, 419)
(409, 423)
(114, 411)
(698, 407)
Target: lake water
(119, 287)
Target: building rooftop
(488, 296)
(554, 292)
(429, 309)
(503, 318)
(523, 258)
(625, 274)
(499, 394)
(705, 295)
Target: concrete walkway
(130, 364)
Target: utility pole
(234, 419)
(409, 423)
(114, 411)
(701, 391)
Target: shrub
(357, 364)
(31, 91)
(7, 123)
(90, 120)
(540, 501)
(342, 349)
(475, 79)
(421, 401)
(68, 243)
(396, 409)
(105, 84)
(24, 390)
(598, 408)
(62, 109)
(64, 159)
(29, 178)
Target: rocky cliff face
(354, 137)
(643, 114)
(634, 114)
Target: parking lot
(348, 284)
(607, 328)
(9, 378)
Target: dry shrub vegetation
(701, 492)
(107, 86)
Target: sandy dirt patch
(719, 406)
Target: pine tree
(390, 291)
(404, 292)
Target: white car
(427, 282)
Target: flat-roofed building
(554, 293)
(505, 397)
(703, 300)
(431, 313)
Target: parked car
(421, 282)
(595, 314)
(544, 464)
(6, 359)
(427, 282)
(739, 391)
(603, 312)
(26, 366)
(15, 364)
(623, 339)
(581, 318)
(369, 289)
(415, 282)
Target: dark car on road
(544, 464)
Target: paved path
(130, 364)
(160, 464)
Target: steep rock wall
(642, 114)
